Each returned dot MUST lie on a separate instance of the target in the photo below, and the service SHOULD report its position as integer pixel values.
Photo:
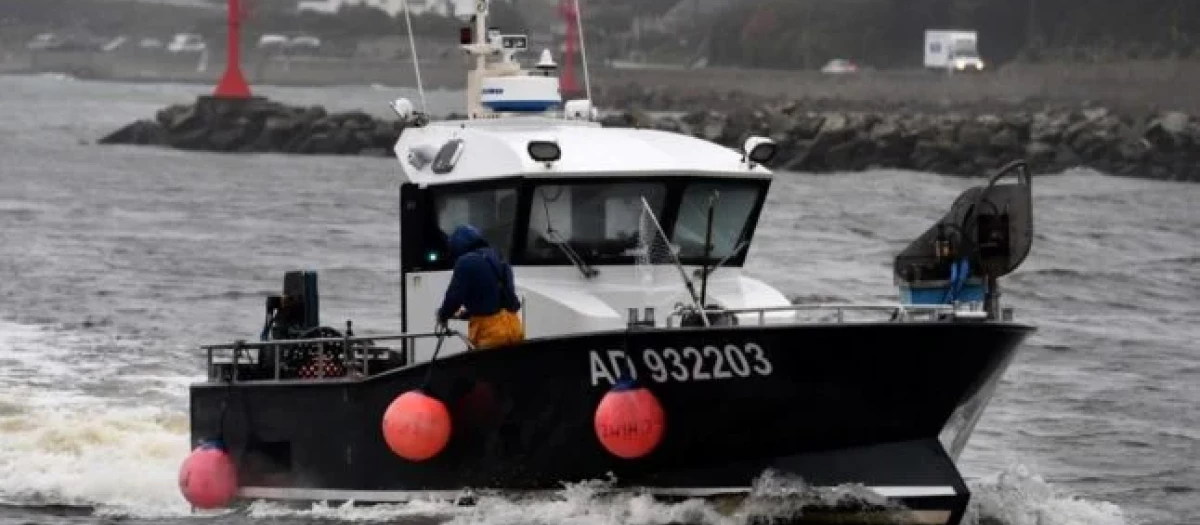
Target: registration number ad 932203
(682, 365)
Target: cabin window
(734, 203)
(491, 211)
(598, 221)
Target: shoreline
(1134, 86)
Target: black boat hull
(830, 403)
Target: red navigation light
(464, 35)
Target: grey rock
(141, 133)
(1093, 114)
(813, 138)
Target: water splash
(1018, 497)
(61, 446)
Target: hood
(464, 239)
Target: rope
(412, 45)
(250, 438)
(587, 80)
(433, 360)
(959, 271)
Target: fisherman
(481, 290)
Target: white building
(391, 7)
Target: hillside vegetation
(890, 33)
(750, 33)
(20, 19)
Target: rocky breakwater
(260, 125)
(1161, 145)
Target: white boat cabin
(561, 199)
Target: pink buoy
(416, 426)
(629, 421)
(208, 477)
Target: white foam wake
(1018, 497)
(1013, 497)
(59, 446)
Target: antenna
(587, 81)
(412, 46)
(655, 249)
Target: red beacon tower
(233, 83)
(567, 84)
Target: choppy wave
(62, 446)
(117, 261)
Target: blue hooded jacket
(481, 282)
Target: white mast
(502, 87)
(479, 47)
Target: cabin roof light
(447, 157)
(759, 150)
(421, 155)
(579, 109)
(403, 108)
(544, 151)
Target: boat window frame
(416, 223)
(529, 188)
(740, 236)
(675, 184)
(418, 233)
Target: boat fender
(416, 426)
(629, 421)
(208, 476)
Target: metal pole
(712, 205)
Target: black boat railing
(243, 360)
(228, 358)
(838, 313)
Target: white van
(952, 50)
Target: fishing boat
(652, 362)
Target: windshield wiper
(565, 246)
(704, 272)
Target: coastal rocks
(259, 125)
(1161, 145)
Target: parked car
(306, 42)
(187, 43)
(839, 66)
(302, 43)
(45, 41)
(269, 41)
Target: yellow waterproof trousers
(502, 328)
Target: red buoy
(208, 477)
(629, 421)
(416, 426)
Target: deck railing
(838, 313)
(362, 349)
(357, 349)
